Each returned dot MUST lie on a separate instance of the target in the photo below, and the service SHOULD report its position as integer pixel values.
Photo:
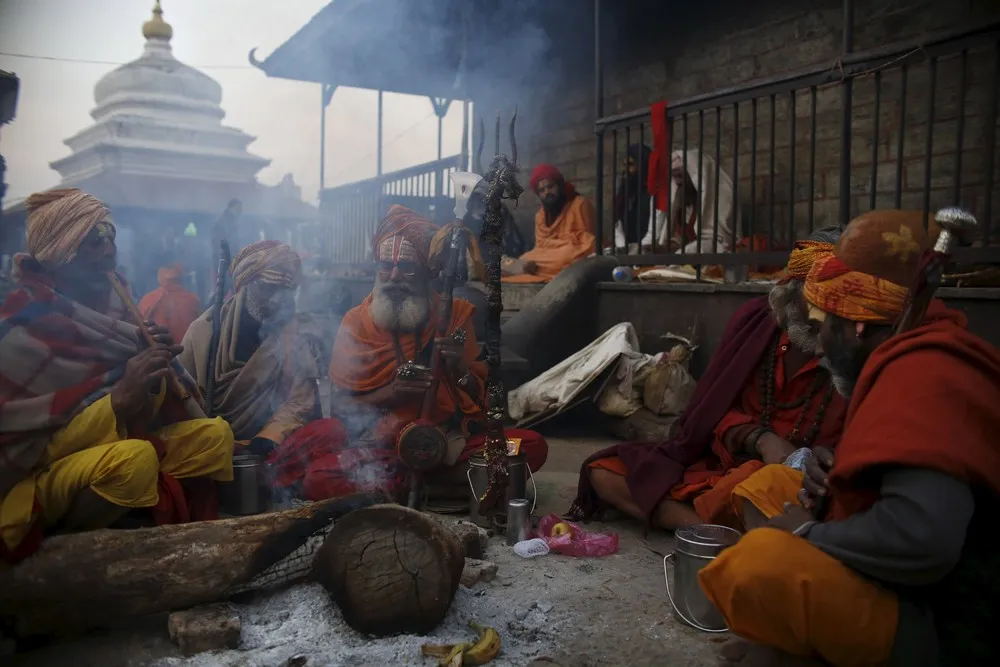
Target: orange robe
(170, 305)
(709, 483)
(570, 238)
(926, 399)
(322, 453)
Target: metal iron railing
(351, 212)
(918, 132)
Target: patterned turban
(58, 221)
(271, 262)
(868, 275)
(403, 231)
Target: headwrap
(867, 277)
(547, 172)
(804, 255)
(409, 226)
(271, 262)
(58, 221)
(170, 275)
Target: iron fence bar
(721, 258)
(875, 122)
(614, 185)
(736, 175)
(770, 184)
(960, 130)
(638, 188)
(683, 188)
(902, 135)
(991, 146)
(929, 142)
(625, 190)
(670, 181)
(699, 219)
(812, 156)
(599, 109)
(718, 174)
(753, 169)
(846, 110)
(791, 169)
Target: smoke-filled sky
(214, 35)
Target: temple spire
(156, 27)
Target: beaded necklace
(766, 384)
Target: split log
(391, 570)
(96, 579)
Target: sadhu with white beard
(266, 364)
(394, 325)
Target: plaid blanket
(58, 357)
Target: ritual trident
(476, 196)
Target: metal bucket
(696, 547)
(518, 475)
(249, 492)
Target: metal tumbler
(518, 521)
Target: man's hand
(162, 336)
(452, 352)
(773, 448)
(530, 267)
(143, 373)
(413, 386)
(792, 519)
(816, 483)
(261, 447)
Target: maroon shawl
(656, 467)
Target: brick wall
(653, 55)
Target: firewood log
(95, 579)
(390, 569)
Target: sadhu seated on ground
(762, 397)
(565, 226)
(897, 563)
(171, 305)
(88, 427)
(266, 362)
(373, 401)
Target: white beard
(406, 316)
(784, 300)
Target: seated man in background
(373, 402)
(763, 396)
(89, 429)
(266, 363)
(171, 305)
(565, 227)
(899, 563)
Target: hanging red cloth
(658, 179)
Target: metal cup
(518, 521)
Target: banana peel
(482, 651)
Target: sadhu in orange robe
(361, 445)
(170, 305)
(926, 400)
(563, 241)
(804, 410)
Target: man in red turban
(897, 565)
(373, 402)
(565, 227)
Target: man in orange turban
(565, 227)
(267, 359)
(171, 305)
(88, 427)
(895, 563)
(373, 401)
(763, 396)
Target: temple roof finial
(156, 27)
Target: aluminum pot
(249, 492)
(518, 475)
(696, 547)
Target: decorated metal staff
(956, 225)
(490, 190)
(213, 345)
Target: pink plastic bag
(578, 542)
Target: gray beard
(406, 316)
(843, 384)
(785, 301)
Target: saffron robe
(570, 238)
(170, 305)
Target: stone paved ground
(550, 611)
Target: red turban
(546, 172)
(411, 226)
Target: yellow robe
(94, 451)
(778, 589)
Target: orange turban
(417, 230)
(271, 262)
(58, 221)
(868, 275)
(804, 255)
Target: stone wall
(653, 55)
